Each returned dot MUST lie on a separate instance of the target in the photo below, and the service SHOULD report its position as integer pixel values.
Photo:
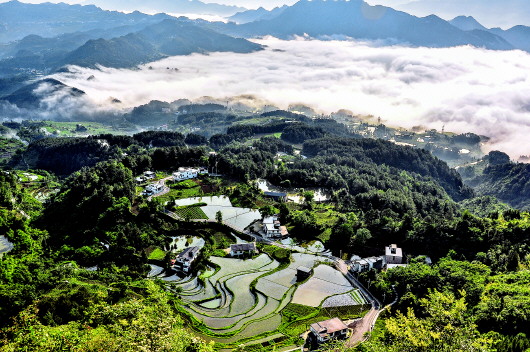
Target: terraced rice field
(245, 298)
(324, 283)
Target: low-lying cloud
(464, 88)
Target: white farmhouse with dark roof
(186, 258)
(242, 248)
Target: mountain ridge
(357, 19)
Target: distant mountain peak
(467, 23)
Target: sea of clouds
(466, 89)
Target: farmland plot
(214, 303)
(327, 273)
(270, 307)
(208, 291)
(286, 277)
(155, 270)
(243, 300)
(181, 242)
(313, 292)
(346, 299)
(223, 201)
(231, 311)
(233, 266)
(271, 288)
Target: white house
(393, 255)
(152, 189)
(273, 228)
(243, 248)
(186, 258)
(329, 329)
(187, 173)
(149, 175)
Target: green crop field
(190, 213)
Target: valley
(318, 176)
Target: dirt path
(365, 325)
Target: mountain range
(517, 36)
(168, 6)
(45, 37)
(136, 38)
(29, 98)
(359, 20)
(18, 19)
(492, 13)
(168, 38)
(256, 15)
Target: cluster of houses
(392, 258)
(185, 259)
(272, 227)
(188, 173)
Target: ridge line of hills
(360, 20)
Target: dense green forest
(474, 297)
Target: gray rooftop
(243, 247)
(188, 253)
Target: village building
(188, 173)
(272, 227)
(186, 258)
(366, 264)
(327, 330)
(146, 176)
(302, 273)
(153, 189)
(393, 255)
(240, 249)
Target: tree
(269, 210)
(446, 326)
(219, 216)
(362, 235)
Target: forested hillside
(80, 253)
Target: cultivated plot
(313, 292)
(223, 201)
